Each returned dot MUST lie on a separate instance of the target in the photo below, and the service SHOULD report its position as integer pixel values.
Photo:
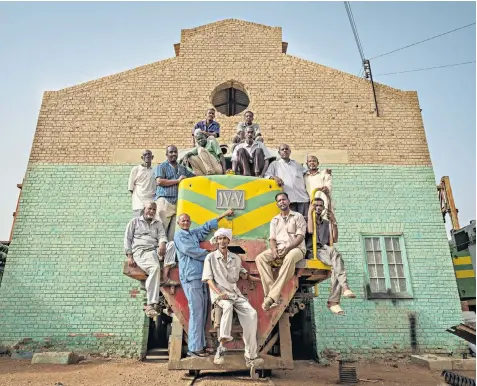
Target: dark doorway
(303, 333)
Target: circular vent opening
(230, 98)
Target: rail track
(238, 377)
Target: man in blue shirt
(168, 176)
(208, 126)
(191, 265)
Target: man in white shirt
(242, 129)
(289, 175)
(142, 183)
(250, 157)
(321, 180)
(222, 270)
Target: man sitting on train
(191, 263)
(207, 157)
(287, 247)
(242, 130)
(222, 270)
(144, 240)
(208, 127)
(328, 254)
(250, 157)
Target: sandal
(150, 311)
(170, 282)
(349, 294)
(337, 310)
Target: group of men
(150, 236)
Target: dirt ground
(128, 372)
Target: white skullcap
(197, 131)
(221, 232)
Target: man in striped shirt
(168, 175)
(208, 126)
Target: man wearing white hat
(222, 270)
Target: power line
(422, 41)
(354, 29)
(428, 68)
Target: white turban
(222, 232)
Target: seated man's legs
(258, 161)
(166, 213)
(211, 165)
(263, 261)
(248, 320)
(169, 262)
(197, 166)
(287, 270)
(243, 162)
(196, 294)
(339, 281)
(149, 263)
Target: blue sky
(49, 46)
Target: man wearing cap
(222, 270)
(191, 264)
(251, 157)
(328, 254)
(141, 183)
(321, 180)
(206, 158)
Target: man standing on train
(191, 264)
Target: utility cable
(354, 29)
(422, 41)
(428, 68)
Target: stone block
(57, 358)
(20, 354)
(433, 362)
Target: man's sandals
(169, 283)
(336, 309)
(150, 311)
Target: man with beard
(250, 157)
(207, 158)
(191, 264)
(222, 270)
(141, 183)
(144, 240)
(329, 255)
(321, 180)
(287, 247)
(289, 175)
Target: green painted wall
(391, 199)
(63, 285)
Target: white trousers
(149, 263)
(248, 320)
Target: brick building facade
(63, 285)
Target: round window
(230, 98)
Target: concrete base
(439, 363)
(57, 358)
